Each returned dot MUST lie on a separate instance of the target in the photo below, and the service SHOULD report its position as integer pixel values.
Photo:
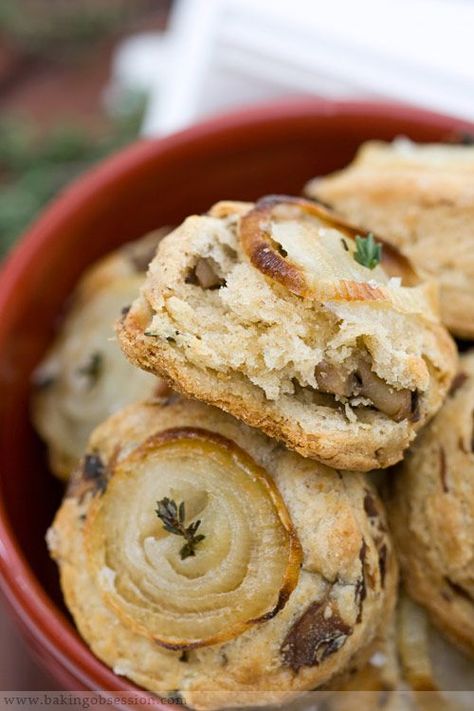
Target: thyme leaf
(368, 252)
(173, 518)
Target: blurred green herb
(368, 251)
(34, 168)
(35, 27)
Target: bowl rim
(35, 612)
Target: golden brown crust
(432, 514)
(347, 561)
(345, 450)
(193, 337)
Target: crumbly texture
(84, 377)
(421, 198)
(432, 514)
(347, 562)
(251, 347)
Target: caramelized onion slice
(309, 250)
(242, 572)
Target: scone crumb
(52, 540)
(350, 414)
(327, 612)
(123, 668)
(378, 660)
(107, 577)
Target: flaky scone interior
(197, 555)
(284, 316)
(420, 198)
(432, 513)
(84, 377)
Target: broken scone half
(197, 555)
(420, 198)
(282, 315)
(84, 376)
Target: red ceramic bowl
(270, 149)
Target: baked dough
(345, 587)
(264, 311)
(432, 514)
(421, 198)
(84, 377)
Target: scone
(432, 513)
(421, 198)
(197, 555)
(281, 315)
(84, 377)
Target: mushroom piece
(397, 404)
(331, 379)
(204, 275)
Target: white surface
(221, 53)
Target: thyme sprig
(368, 252)
(173, 518)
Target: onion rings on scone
(198, 555)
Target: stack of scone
(220, 539)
